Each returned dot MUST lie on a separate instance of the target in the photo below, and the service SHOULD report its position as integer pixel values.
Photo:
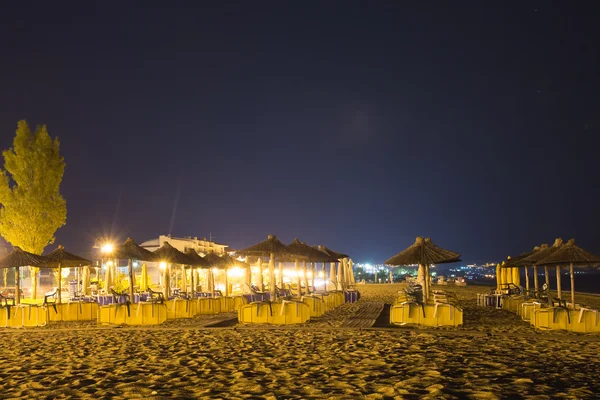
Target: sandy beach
(494, 355)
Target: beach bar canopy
(18, 258)
(572, 255)
(130, 251)
(272, 248)
(60, 258)
(423, 253)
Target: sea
(585, 282)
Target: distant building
(202, 246)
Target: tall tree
(31, 206)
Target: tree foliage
(31, 206)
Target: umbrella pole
(272, 284)
(59, 283)
(323, 268)
(547, 272)
(332, 273)
(130, 271)
(212, 282)
(572, 286)
(298, 283)
(340, 275)
(558, 283)
(305, 276)
(527, 278)
(535, 278)
(18, 286)
(280, 275)
(312, 270)
(426, 283)
(260, 275)
(226, 283)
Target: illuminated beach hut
(572, 255)
(18, 258)
(60, 258)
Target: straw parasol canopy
(62, 258)
(272, 247)
(538, 255)
(196, 260)
(171, 255)
(423, 252)
(129, 250)
(310, 254)
(18, 258)
(572, 255)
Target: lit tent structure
(272, 248)
(63, 259)
(170, 255)
(18, 258)
(130, 251)
(572, 255)
(423, 253)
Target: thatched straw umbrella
(311, 254)
(130, 251)
(61, 258)
(521, 261)
(215, 261)
(196, 260)
(572, 255)
(538, 255)
(272, 248)
(423, 253)
(170, 255)
(334, 257)
(18, 258)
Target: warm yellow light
(322, 274)
(65, 272)
(309, 274)
(235, 271)
(110, 263)
(215, 270)
(254, 269)
(107, 248)
(162, 265)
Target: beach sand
(494, 355)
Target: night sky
(358, 125)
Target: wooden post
(426, 283)
(260, 275)
(226, 283)
(558, 283)
(340, 275)
(547, 272)
(572, 272)
(526, 278)
(535, 278)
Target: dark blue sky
(358, 125)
